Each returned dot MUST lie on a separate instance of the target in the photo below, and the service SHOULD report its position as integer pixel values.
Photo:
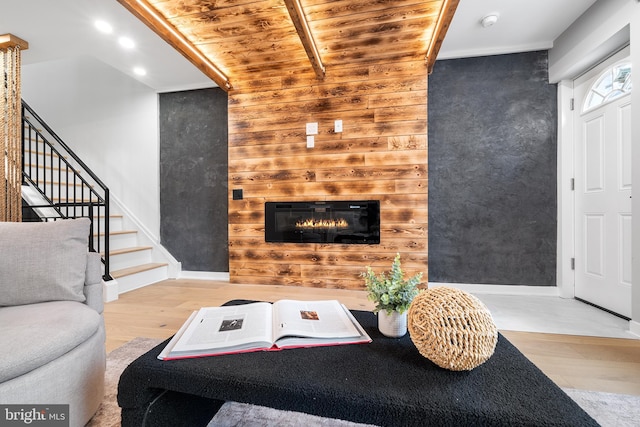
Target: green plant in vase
(392, 294)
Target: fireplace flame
(322, 223)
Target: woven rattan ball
(452, 328)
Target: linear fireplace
(346, 222)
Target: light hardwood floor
(157, 311)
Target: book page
(228, 327)
(316, 319)
(298, 342)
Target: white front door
(603, 194)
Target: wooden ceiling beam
(154, 20)
(304, 32)
(442, 25)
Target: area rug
(608, 409)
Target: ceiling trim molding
(306, 36)
(442, 25)
(494, 51)
(143, 11)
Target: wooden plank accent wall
(381, 154)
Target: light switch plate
(312, 128)
(310, 141)
(337, 126)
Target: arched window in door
(612, 83)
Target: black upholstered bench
(386, 382)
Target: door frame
(565, 252)
(565, 274)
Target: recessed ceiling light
(103, 27)
(140, 71)
(126, 42)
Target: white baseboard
(501, 289)
(111, 289)
(204, 275)
(634, 327)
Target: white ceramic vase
(392, 325)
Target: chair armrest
(93, 285)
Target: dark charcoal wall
(193, 178)
(492, 171)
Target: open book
(264, 326)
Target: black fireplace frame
(368, 210)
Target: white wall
(110, 120)
(605, 27)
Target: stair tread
(45, 166)
(77, 184)
(39, 152)
(119, 232)
(129, 250)
(70, 200)
(136, 269)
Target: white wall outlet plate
(310, 141)
(337, 126)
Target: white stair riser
(115, 223)
(120, 241)
(144, 278)
(78, 211)
(35, 198)
(129, 259)
(41, 172)
(37, 154)
(42, 159)
(71, 192)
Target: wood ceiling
(238, 41)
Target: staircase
(135, 260)
(57, 185)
